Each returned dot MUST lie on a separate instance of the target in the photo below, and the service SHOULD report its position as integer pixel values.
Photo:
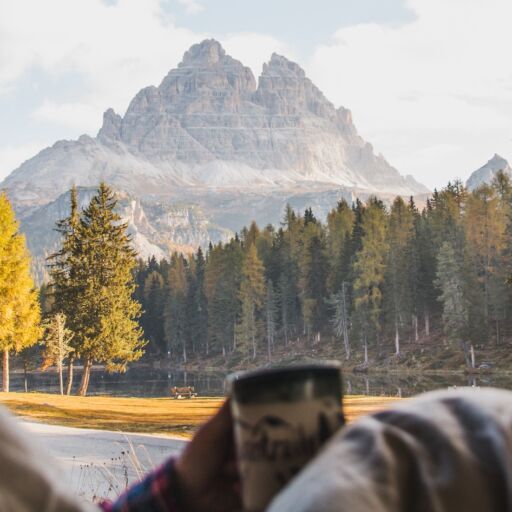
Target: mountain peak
(207, 127)
(207, 53)
(111, 125)
(486, 173)
(280, 65)
(497, 159)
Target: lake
(146, 382)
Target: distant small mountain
(212, 141)
(487, 172)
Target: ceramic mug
(282, 417)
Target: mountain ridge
(210, 134)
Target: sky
(429, 82)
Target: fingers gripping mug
(281, 419)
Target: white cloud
(114, 48)
(80, 117)
(434, 95)
(117, 48)
(191, 6)
(254, 49)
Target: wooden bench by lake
(184, 392)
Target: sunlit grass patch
(146, 415)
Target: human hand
(207, 471)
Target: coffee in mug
(282, 417)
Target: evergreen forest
(372, 278)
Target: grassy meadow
(144, 415)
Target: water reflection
(146, 382)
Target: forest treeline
(371, 275)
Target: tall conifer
(108, 316)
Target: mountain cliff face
(209, 135)
(156, 229)
(487, 172)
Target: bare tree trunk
(61, 381)
(465, 351)
(472, 353)
(427, 323)
(416, 334)
(84, 383)
(69, 383)
(497, 331)
(5, 372)
(345, 323)
(365, 351)
(397, 339)
(253, 328)
(346, 343)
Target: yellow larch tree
(19, 305)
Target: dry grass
(149, 415)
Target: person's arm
(203, 478)
(158, 492)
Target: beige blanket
(29, 481)
(443, 451)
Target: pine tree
(67, 283)
(175, 321)
(450, 282)
(340, 320)
(426, 250)
(222, 284)
(315, 269)
(501, 297)
(485, 229)
(200, 304)
(19, 304)
(57, 346)
(369, 269)
(270, 317)
(252, 296)
(340, 222)
(287, 278)
(153, 300)
(108, 326)
(397, 286)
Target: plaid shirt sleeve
(156, 493)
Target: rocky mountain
(157, 229)
(487, 172)
(211, 140)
